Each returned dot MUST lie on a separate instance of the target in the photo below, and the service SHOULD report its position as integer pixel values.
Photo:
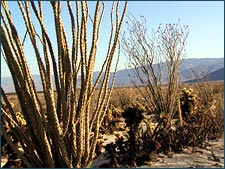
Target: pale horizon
(204, 18)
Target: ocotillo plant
(59, 136)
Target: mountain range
(214, 76)
(212, 68)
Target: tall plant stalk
(60, 136)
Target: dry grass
(122, 97)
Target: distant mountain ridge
(213, 67)
(205, 65)
(214, 76)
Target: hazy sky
(204, 18)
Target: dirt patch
(201, 158)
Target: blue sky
(204, 18)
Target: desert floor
(202, 158)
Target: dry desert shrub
(121, 97)
(165, 134)
(154, 57)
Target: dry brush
(156, 58)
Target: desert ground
(211, 156)
(202, 158)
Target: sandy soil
(202, 158)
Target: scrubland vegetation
(66, 127)
(129, 118)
